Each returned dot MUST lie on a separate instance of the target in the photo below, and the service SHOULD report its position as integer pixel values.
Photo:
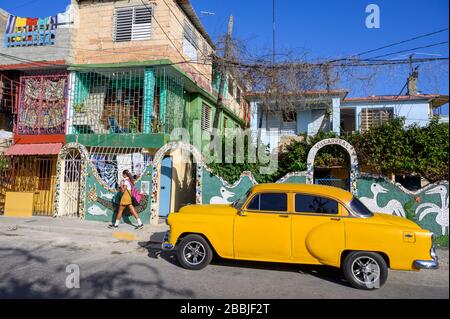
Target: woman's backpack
(136, 195)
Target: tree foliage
(388, 149)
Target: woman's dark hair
(130, 177)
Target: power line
(164, 31)
(394, 44)
(407, 50)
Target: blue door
(165, 186)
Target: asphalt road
(33, 265)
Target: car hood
(395, 220)
(209, 209)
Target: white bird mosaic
(223, 199)
(431, 208)
(393, 207)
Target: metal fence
(29, 174)
(139, 100)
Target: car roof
(322, 190)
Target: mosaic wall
(216, 190)
(428, 206)
(102, 203)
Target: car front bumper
(428, 264)
(166, 246)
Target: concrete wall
(60, 51)
(94, 43)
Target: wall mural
(428, 206)
(102, 202)
(219, 191)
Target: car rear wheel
(194, 252)
(365, 270)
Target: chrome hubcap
(194, 253)
(366, 270)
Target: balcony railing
(30, 36)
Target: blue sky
(323, 29)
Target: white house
(306, 113)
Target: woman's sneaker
(140, 226)
(113, 226)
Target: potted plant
(79, 108)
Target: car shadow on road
(327, 273)
(154, 251)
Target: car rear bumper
(428, 264)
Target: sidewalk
(89, 229)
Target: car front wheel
(194, 252)
(365, 270)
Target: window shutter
(133, 23)
(190, 41)
(142, 23)
(206, 118)
(123, 22)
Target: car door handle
(336, 219)
(284, 216)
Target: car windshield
(359, 208)
(238, 203)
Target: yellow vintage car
(302, 224)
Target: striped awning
(34, 149)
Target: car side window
(315, 204)
(272, 202)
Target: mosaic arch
(60, 178)
(185, 147)
(354, 168)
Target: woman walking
(126, 186)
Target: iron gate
(335, 182)
(70, 186)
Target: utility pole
(273, 32)
(223, 73)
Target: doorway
(165, 186)
(70, 186)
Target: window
(238, 95)
(359, 208)
(206, 118)
(230, 87)
(133, 23)
(190, 41)
(225, 122)
(315, 204)
(276, 202)
(375, 117)
(289, 116)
